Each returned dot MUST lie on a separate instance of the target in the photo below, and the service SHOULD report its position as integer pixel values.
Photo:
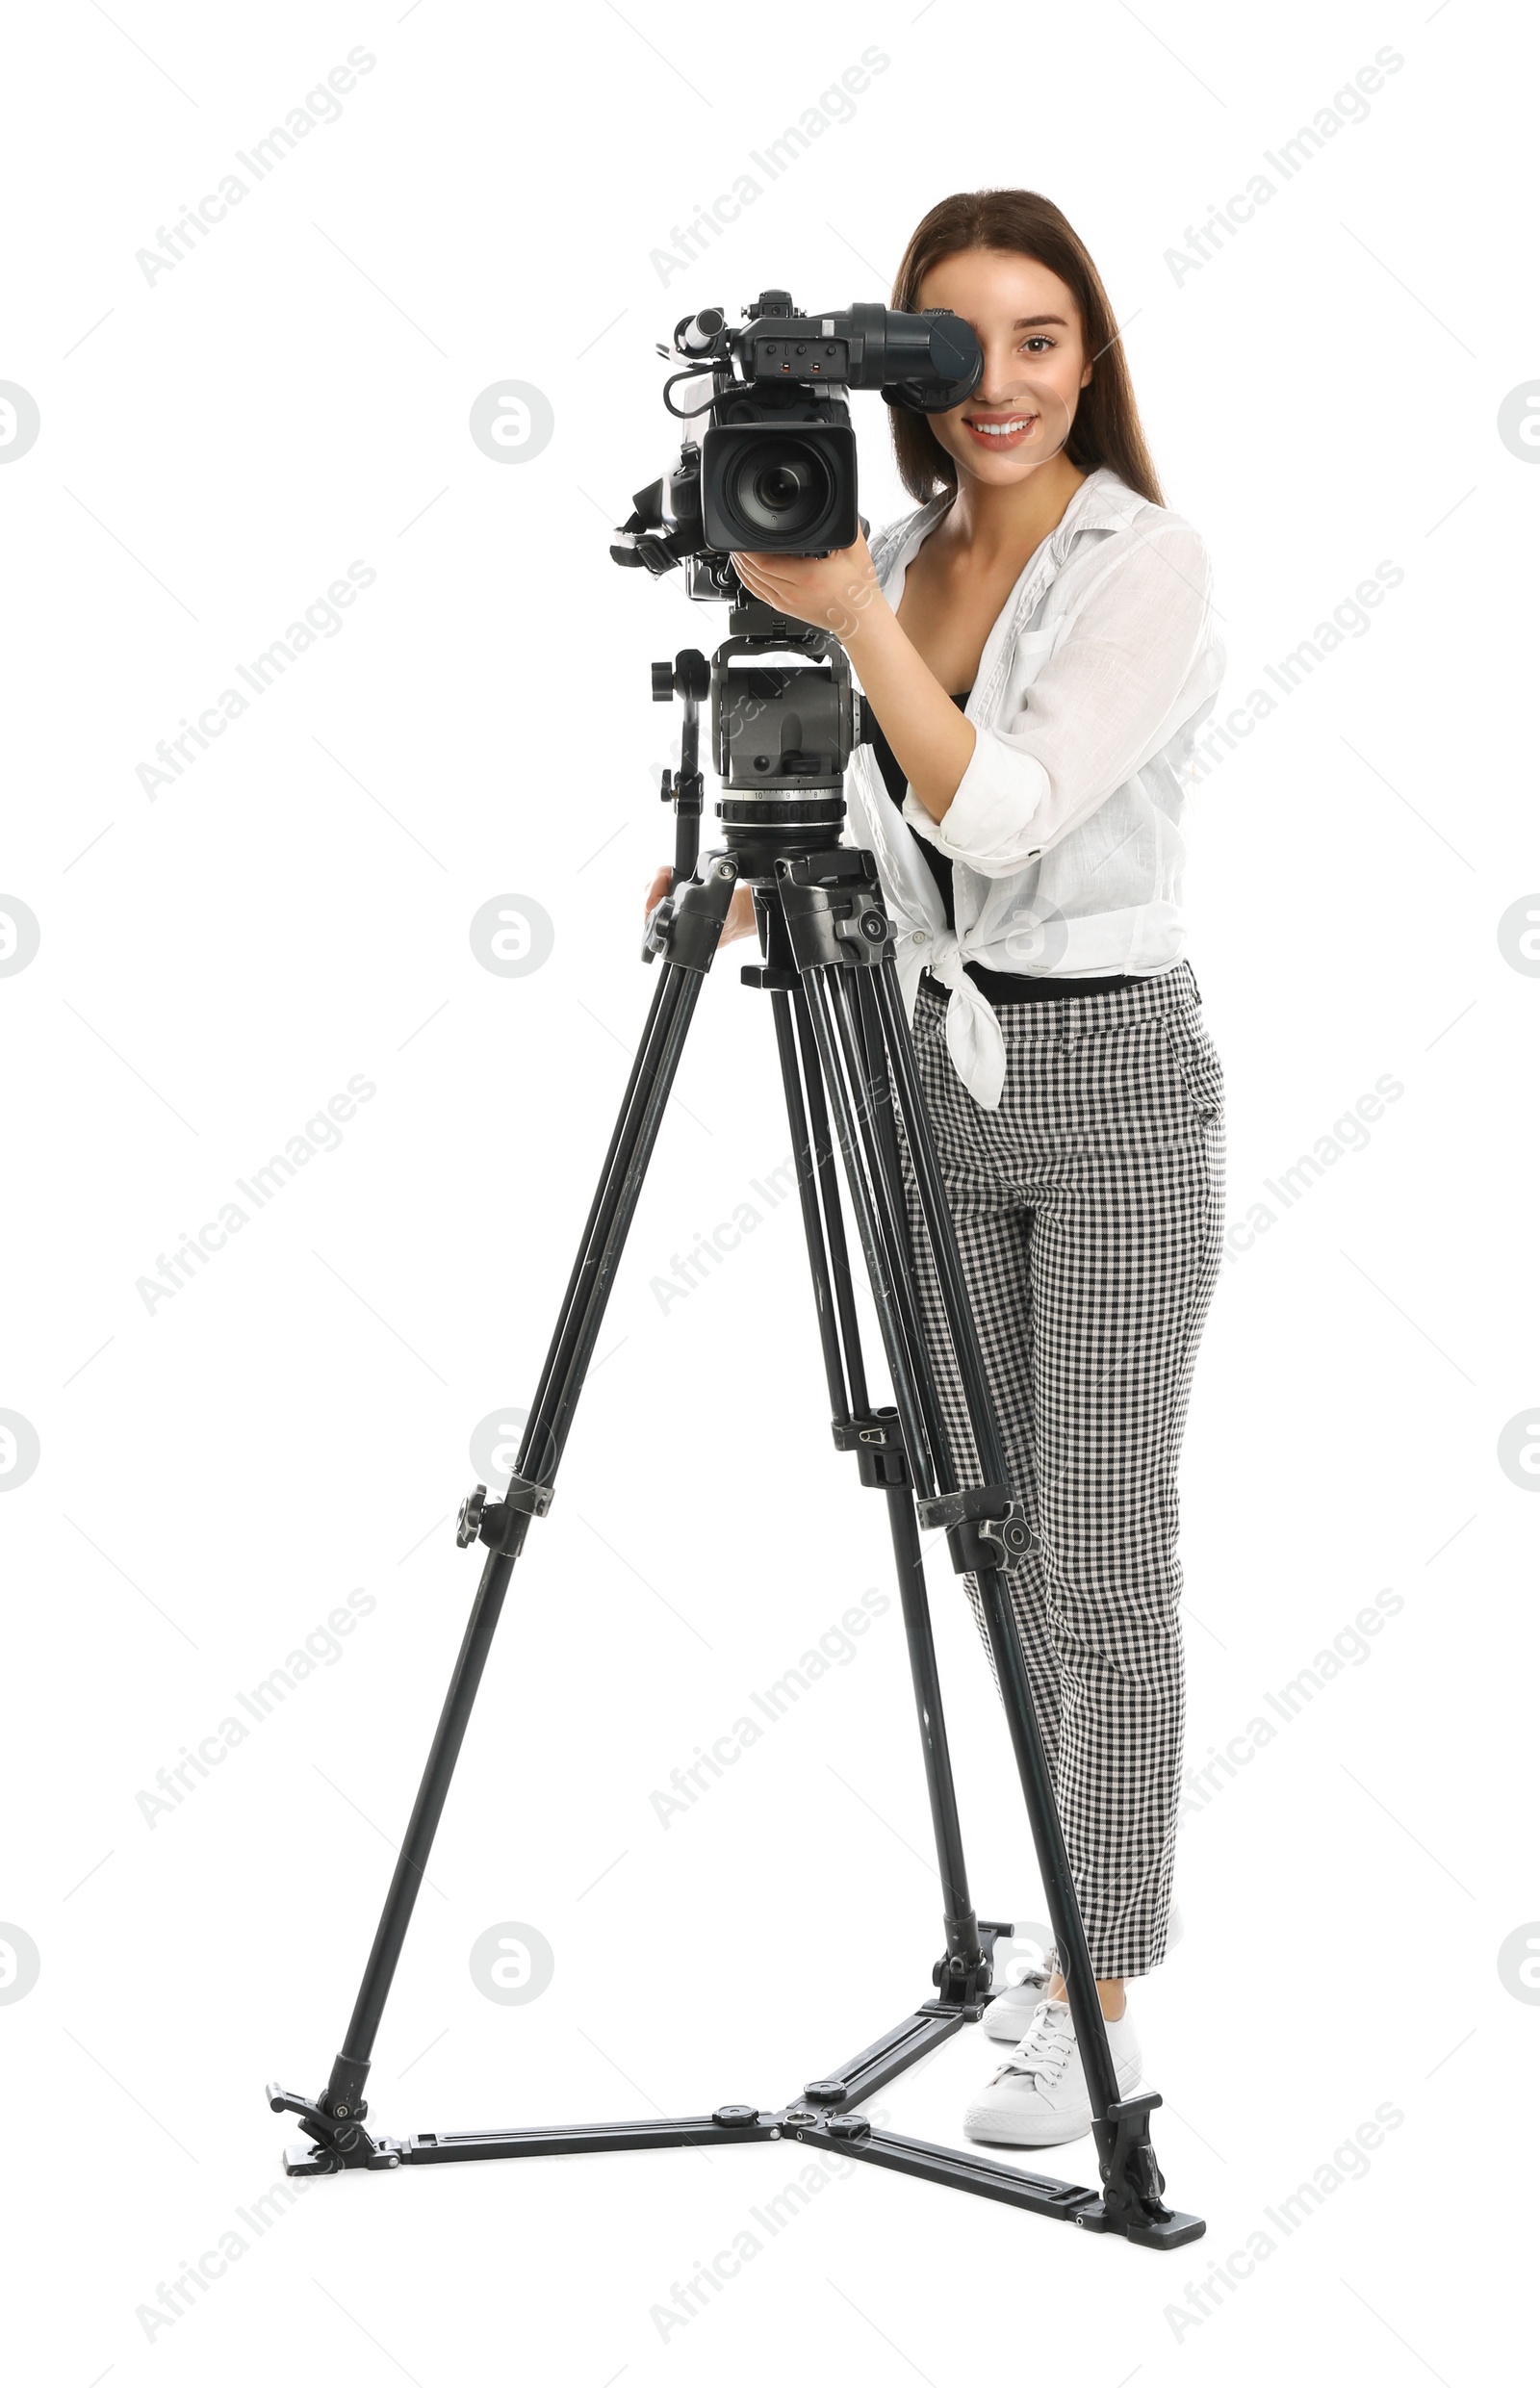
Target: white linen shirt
(1063, 833)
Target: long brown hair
(1106, 430)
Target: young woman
(1035, 650)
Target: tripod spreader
(826, 2112)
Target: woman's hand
(831, 592)
(739, 922)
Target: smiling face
(1035, 365)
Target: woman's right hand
(739, 922)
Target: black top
(999, 985)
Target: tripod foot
(1133, 2185)
(337, 2147)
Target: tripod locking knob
(469, 1528)
(863, 927)
(659, 926)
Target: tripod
(846, 1060)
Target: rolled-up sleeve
(1134, 660)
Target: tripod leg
(1053, 1860)
(829, 1328)
(886, 1173)
(839, 1271)
(855, 1102)
(827, 897)
(703, 908)
(850, 1101)
(531, 1459)
(964, 1951)
(883, 1466)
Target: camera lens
(780, 486)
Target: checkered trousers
(1088, 1211)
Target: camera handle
(690, 678)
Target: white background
(217, 446)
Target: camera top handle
(927, 362)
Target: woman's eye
(1037, 340)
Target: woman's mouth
(1008, 431)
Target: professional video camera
(774, 470)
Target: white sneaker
(1038, 2097)
(1009, 2014)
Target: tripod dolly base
(826, 2115)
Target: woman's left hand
(831, 592)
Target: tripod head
(782, 736)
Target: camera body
(773, 467)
